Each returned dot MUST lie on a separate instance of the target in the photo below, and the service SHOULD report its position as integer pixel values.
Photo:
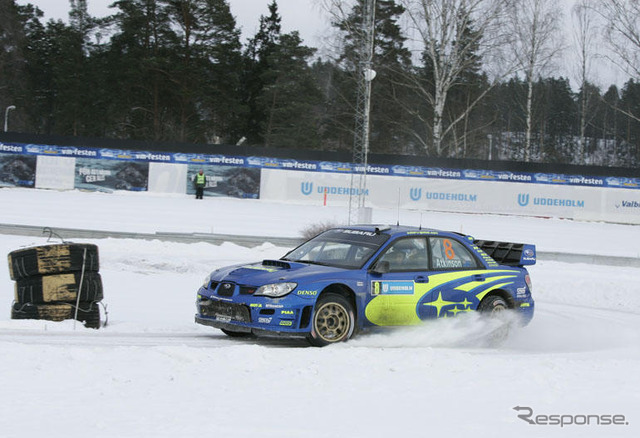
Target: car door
(454, 273)
(398, 281)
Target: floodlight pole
(365, 75)
(6, 116)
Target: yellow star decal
(439, 304)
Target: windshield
(339, 247)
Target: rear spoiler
(509, 254)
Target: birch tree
(536, 40)
(622, 35)
(442, 27)
(584, 40)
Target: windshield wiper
(313, 262)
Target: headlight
(275, 290)
(207, 280)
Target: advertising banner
(324, 167)
(232, 182)
(167, 178)
(492, 197)
(307, 187)
(109, 175)
(55, 172)
(583, 197)
(621, 206)
(17, 170)
(585, 203)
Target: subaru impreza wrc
(349, 279)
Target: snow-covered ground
(153, 372)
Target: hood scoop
(276, 263)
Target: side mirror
(381, 268)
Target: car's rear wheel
(333, 320)
(495, 306)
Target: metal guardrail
(76, 233)
(287, 242)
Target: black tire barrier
(88, 313)
(53, 259)
(59, 288)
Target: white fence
(610, 199)
(525, 199)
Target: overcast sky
(304, 16)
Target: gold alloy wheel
(332, 322)
(498, 308)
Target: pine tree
(608, 123)
(290, 97)
(258, 54)
(280, 92)
(141, 58)
(391, 62)
(221, 95)
(13, 69)
(556, 119)
(206, 72)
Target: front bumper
(244, 329)
(288, 316)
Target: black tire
(43, 289)
(333, 320)
(492, 305)
(89, 313)
(235, 334)
(495, 306)
(53, 259)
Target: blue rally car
(353, 278)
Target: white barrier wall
(526, 199)
(332, 187)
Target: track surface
(556, 327)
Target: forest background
(453, 78)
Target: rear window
(448, 253)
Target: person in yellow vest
(199, 182)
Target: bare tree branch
(535, 28)
(622, 33)
(450, 49)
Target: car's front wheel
(333, 320)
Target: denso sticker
(307, 293)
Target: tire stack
(48, 279)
